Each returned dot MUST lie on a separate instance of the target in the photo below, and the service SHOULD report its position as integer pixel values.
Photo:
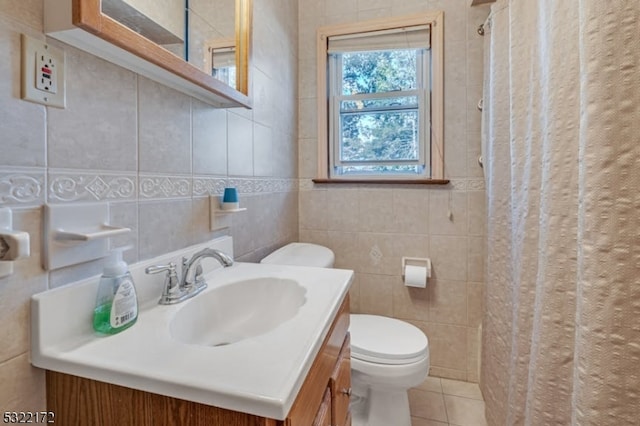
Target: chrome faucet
(197, 281)
(191, 282)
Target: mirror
(202, 32)
(211, 39)
(220, 60)
(203, 44)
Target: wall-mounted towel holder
(76, 233)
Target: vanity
(262, 345)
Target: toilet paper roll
(415, 276)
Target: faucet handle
(156, 269)
(171, 282)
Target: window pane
(380, 71)
(226, 75)
(360, 104)
(381, 136)
(380, 169)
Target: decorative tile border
(472, 184)
(305, 185)
(244, 186)
(291, 185)
(30, 185)
(268, 185)
(265, 186)
(203, 186)
(78, 186)
(162, 187)
(457, 184)
(476, 185)
(22, 186)
(27, 186)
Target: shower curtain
(561, 142)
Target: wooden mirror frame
(87, 14)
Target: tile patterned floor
(443, 402)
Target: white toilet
(388, 356)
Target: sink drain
(221, 344)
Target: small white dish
(230, 205)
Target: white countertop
(260, 375)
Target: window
(380, 84)
(220, 60)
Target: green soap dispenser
(116, 301)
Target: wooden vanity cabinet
(323, 418)
(325, 374)
(334, 409)
(323, 399)
(340, 386)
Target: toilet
(388, 356)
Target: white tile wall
(152, 152)
(98, 129)
(370, 227)
(164, 129)
(209, 128)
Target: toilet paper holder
(423, 262)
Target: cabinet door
(323, 418)
(341, 386)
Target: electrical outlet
(43, 78)
(46, 72)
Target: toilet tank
(302, 254)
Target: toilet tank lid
(385, 340)
(302, 254)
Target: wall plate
(43, 76)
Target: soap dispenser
(116, 302)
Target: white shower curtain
(561, 331)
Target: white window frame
(336, 97)
(432, 101)
(225, 45)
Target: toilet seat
(384, 340)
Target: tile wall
(370, 227)
(153, 153)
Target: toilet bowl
(388, 356)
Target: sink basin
(275, 317)
(237, 311)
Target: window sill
(385, 181)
